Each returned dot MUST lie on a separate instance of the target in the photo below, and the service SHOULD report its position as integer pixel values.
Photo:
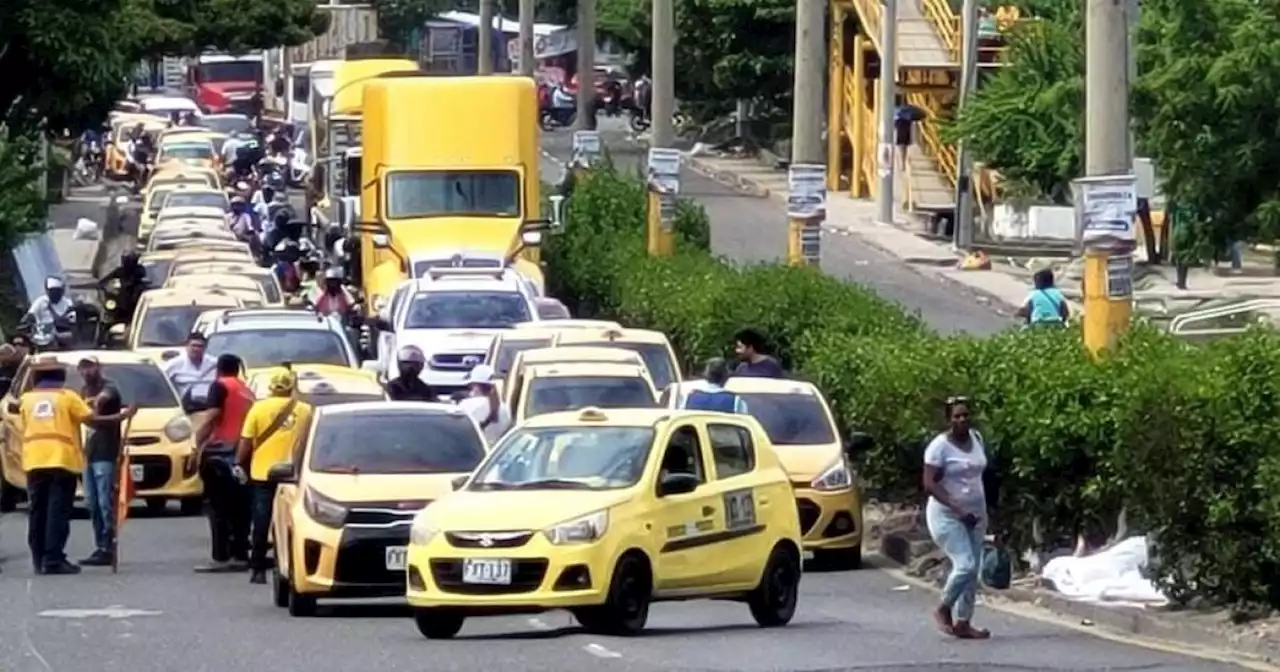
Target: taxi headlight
(836, 477)
(323, 510)
(421, 533)
(583, 530)
(178, 429)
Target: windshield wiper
(351, 470)
(551, 484)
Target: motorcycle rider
(308, 270)
(132, 277)
(54, 311)
(332, 298)
(141, 147)
(285, 267)
(408, 386)
(564, 103)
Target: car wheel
(773, 602)
(10, 495)
(192, 506)
(155, 506)
(840, 559)
(279, 588)
(300, 606)
(438, 623)
(626, 610)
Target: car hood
(153, 420)
(433, 341)
(488, 511)
(804, 463)
(355, 489)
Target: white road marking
(114, 613)
(537, 624)
(600, 651)
(26, 634)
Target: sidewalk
(83, 259)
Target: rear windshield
(505, 357)
(791, 419)
(552, 394)
(168, 325)
(270, 347)
(391, 442)
(655, 355)
(198, 200)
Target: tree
(22, 206)
(239, 26)
(400, 20)
(1026, 118)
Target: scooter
(552, 118)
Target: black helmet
(128, 257)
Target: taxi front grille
(363, 561)
(809, 514)
(526, 577)
(156, 470)
(488, 539)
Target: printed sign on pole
(664, 169)
(586, 144)
(1105, 210)
(807, 191)
(884, 159)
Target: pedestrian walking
(53, 459)
(224, 480)
(712, 396)
(102, 453)
(905, 117)
(271, 431)
(957, 515)
(749, 346)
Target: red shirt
(234, 406)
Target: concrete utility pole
(1106, 88)
(663, 42)
(964, 164)
(888, 92)
(810, 69)
(484, 48)
(587, 65)
(1133, 7)
(527, 56)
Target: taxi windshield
(168, 325)
(188, 150)
(655, 355)
(467, 310)
(505, 357)
(266, 281)
(569, 393)
(567, 458)
(196, 200)
(158, 195)
(391, 442)
(791, 419)
(268, 347)
(141, 384)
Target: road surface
(751, 228)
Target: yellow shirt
(51, 420)
(279, 446)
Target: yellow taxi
(802, 429)
(575, 323)
(156, 197)
(326, 385)
(201, 243)
(346, 502)
(204, 216)
(246, 289)
(187, 150)
(267, 281)
(165, 317)
(551, 388)
(653, 346)
(603, 512)
(192, 134)
(177, 236)
(116, 157)
(506, 346)
(158, 264)
(159, 439)
(196, 197)
(184, 175)
(515, 379)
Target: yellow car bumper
(347, 563)
(162, 473)
(541, 576)
(829, 520)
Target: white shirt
(184, 373)
(45, 312)
(961, 471)
(478, 409)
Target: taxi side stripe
(708, 539)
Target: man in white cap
(484, 405)
(53, 309)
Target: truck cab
(222, 83)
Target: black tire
(10, 496)
(545, 121)
(192, 506)
(300, 605)
(626, 610)
(156, 505)
(279, 588)
(840, 559)
(438, 623)
(773, 602)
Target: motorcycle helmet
(54, 283)
(333, 273)
(411, 354)
(129, 258)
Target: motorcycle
(89, 165)
(552, 118)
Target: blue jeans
(100, 498)
(963, 546)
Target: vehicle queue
(555, 464)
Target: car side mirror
(859, 443)
(677, 484)
(459, 482)
(282, 473)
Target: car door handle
(708, 511)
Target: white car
(452, 315)
(423, 262)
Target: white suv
(452, 315)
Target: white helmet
(333, 273)
(411, 354)
(54, 282)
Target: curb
(728, 178)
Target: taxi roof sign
(592, 414)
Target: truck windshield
(453, 193)
(230, 71)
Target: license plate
(397, 558)
(487, 571)
(807, 555)
(137, 472)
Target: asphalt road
(751, 228)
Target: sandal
(942, 616)
(963, 630)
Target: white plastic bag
(87, 229)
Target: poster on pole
(1120, 277)
(884, 159)
(664, 169)
(1105, 210)
(807, 191)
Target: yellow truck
(449, 163)
(334, 132)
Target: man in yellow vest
(271, 432)
(53, 460)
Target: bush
(1184, 439)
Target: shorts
(902, 134)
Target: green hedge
(1185, 438)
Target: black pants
(51, 495)
(264, 495)
(228, 505)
